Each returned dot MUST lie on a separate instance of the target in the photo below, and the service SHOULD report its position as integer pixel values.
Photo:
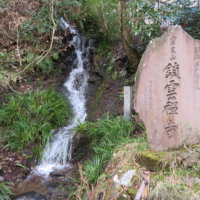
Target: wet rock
(91, 50)
(53, 186)
(72, 47)
(74, 66)
(69, 50)
(74, 54)
(69, 60)
(83, 55)
(30, 196)
(56, 174)
(1, 178)
(89, 57)
(95, 79)
(62, 66)
(85, 64)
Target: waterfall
(58, 151)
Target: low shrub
(29, 118)
(105, 135)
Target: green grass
(105, 135)
(29, 119)
(5, 191)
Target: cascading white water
(58, 150)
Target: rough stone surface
(168, 90)
(30, 196)
(57, 174)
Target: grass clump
(5, 191)
(29, 118)
(104, 135)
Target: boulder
(56, 174)
(168, 90)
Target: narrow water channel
(57, 153)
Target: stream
(55, 170)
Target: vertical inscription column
(127, 101)
(172, 75)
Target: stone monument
(168, 90)
(127, 101)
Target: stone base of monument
(157, 161)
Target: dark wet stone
(83, 55)
(53, 186)
(72, 47)
(69, 58)
(30, 196)
(56, 174)
(91, 50)
(74, 66)
(95, 78)
(74, 54)
(85, 64)
(69, 50)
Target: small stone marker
(168, 90)
(127, 101)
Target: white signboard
(127, 101)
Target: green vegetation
(112, 140)
(5, 191)
(148, 25)
(98, 18)
(105, 136)
(29, 118)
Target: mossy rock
(154, 161)
(132, 192)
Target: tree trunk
(127, 36)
